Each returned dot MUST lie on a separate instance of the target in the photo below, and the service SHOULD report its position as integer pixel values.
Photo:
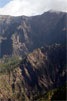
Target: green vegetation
(57, 94)
(60, 94)
(45, 96)
(9, 66)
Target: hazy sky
(30, 7)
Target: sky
(4, 2)
(31, 7)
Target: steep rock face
(14, 36)
(43, 69)
(21, 35)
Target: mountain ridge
(41, 71)
(19, 34)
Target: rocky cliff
(21, 35)
(41, 71)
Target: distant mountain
(21, 35)
(41, 71)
